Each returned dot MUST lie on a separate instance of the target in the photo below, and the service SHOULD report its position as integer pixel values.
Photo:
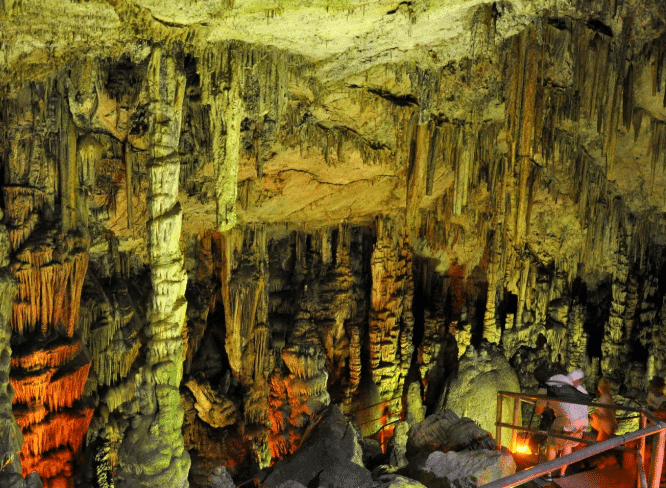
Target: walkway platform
(612, 476)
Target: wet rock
(447, 432)
(461, 469)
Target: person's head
(604, 386)
(657, 384)
(576, 377)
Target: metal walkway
(634, 474)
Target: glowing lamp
(522, 445)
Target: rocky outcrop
(329, 446)
(446, 432)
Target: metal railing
(658, 429)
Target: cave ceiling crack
(321, 182)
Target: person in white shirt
(570, 419)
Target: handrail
(382, 403)
(541, 469)
(551, 433)
(524, 396)
(659, 428)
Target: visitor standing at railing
(603, 419)
(570, 419)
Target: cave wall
(212, 240)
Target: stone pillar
(152, 452)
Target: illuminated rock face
(221, 218)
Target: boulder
(329, 441)
(466, 469)
(447, 432)
(473, 393)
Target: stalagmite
(578, 338)
(615, 333)
(390, 301)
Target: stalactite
(49, 290)
(116, 362)
(65, 428)
(22, 206)
(220, 75)
(120, 394)
(48, 355)
(29, 414)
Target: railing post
(641, 445)
(499, 420)
(514, 431)
(657, 459)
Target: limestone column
(152, 452)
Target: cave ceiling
(233, 213)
